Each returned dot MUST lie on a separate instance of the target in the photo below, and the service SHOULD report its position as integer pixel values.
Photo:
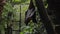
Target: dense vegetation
(13, 14)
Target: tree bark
(44, 17)
(55, 5)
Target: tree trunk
(0, 31)
(8, 30)
(44, 17)
(55, 5)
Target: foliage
(21, 1)
(16, 10)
